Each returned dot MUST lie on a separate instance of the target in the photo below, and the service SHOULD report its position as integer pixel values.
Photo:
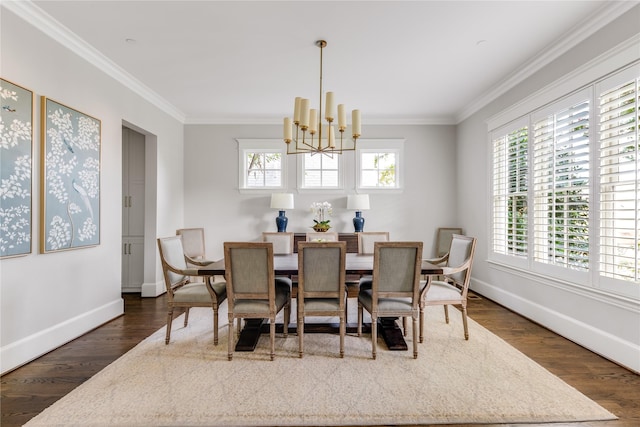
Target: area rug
(190, 382)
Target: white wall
(607, 325)
(49, 299)
(212, 199)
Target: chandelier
(309, 127)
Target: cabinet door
(132, 264)
(133, 169)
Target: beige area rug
(191, 382)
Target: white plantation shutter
(561, 186)
(619, 144)
(510, 185)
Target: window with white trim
(262, 164)
(321, 171)
(567, 175)
(619, 146)
(379, 165)
(510, 186)
(561, 163)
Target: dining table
(287, 265)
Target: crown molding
(35, 16)
(603, 16)
(370, 121)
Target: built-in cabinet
(133, 173)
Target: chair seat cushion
(192, 293)
(253, 306)
(321, 304)
(441, 291)
(366, 282)
(220, 289)
(384, 304)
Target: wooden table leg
(392, 334)
(249, 335)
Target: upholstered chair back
(366, 240)
(172, 255)
(192, 242)
(282, 242)
(321, 264)
(461, 250)
(397, 267)
(249, 269)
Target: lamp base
(358, 222)
(281, 222)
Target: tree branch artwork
(71, 178)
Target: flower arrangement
(320, 211)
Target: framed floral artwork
(16, 169)
(70, 196)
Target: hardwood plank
(28, 390)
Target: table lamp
(282, 201)
(359, 203)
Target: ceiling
(397, 61)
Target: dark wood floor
(28, 390)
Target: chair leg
(415, 336)
(239, 326)
(169, 322)
(404, 326)
(186, 317)
(215, 325)
(230, 338)
(421, 324)
(287, 319)
(464, 322)
(374, 334)
(272, 337)
(343, 330)
(446, 313)
(300, 334)
(359, 320)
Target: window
(561, 185)
(566, 187)
(321, 171)
(510, 185)
(262, 164)
(619, 180)
(379, 165)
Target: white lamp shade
(358, 202)
(282, 201)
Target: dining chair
(366, 241)
(181, 292)
(394, 289)
(443, 239)
(193, 243)
(454, 287)
(282, 241)
(253, 290)
(325, 236)
(321, 285)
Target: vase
(320, 228)
(281, 222)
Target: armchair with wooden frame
(194, 249)
(253, 290)
(181, 292)
(394, 289)
(454, 287)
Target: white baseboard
(31, 347)
(153, 289)
(622, 352)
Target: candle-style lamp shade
(281, 201)
(358, 203)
